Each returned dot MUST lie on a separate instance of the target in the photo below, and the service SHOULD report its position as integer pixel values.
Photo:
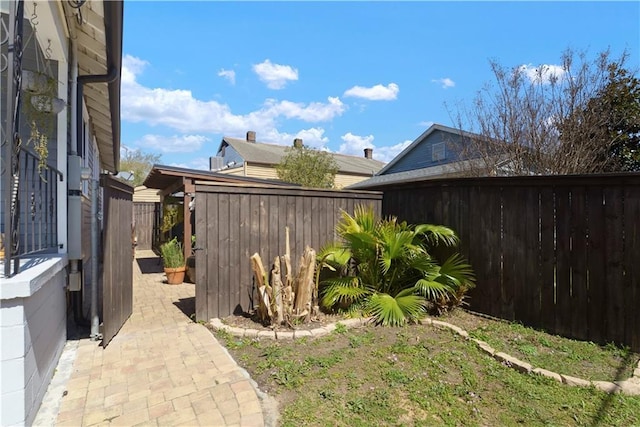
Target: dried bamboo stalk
(276, 283)
(262, 284)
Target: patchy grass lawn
(422, 375)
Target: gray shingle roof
(270, 154)
(434, 172)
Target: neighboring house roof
(403, 167)
(433, 128)
(99, 46)
(162, 177)
(271, 154)
(433, 172)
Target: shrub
(172, 254)
(385, 269)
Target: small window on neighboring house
(437, 152)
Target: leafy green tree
(385, 269)
(618, 106)
(138, 163)
(308, 167)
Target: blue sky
(341, 76)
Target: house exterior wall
(344, 180)
(233, 171)
(422, 155)
(33, 333)
(143, 194)
(230, 156)
(33, 302)
(269, 172)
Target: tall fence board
(117, 274)
(147, 217)
(233, 222)
(559, 252)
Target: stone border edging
(275, 334)
(629, 387)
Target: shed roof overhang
(170, 179)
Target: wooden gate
(117, 273)
(147, 222)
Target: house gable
(439, 145)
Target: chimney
(215, 163)
(251, 136)
(368, 153)
(297, 143)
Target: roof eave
(113, 19)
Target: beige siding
(147, 195)
(269, 172)
(234, 171)
(261, 171)
(343, 180)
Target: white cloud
(543, 73)
(230, 75)
(355, 144)
(426, 123)
(181, 111)
(376, 93)
(312, 137)
(131, 67)
(386, 154)
(173, 144)
(276, 76)
(312, 112)
(446, 82)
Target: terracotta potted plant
(173, 260)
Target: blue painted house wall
(230, 156)
(421, 156)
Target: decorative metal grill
(29, 189)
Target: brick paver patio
(161, 368)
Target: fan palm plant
(385, 269)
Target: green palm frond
(361, 240)
(366, 218)
(458, 272)
(333, 256)
(394, 245)
(422, 262)
(390, 311)
(346, 289)
(435, 234)
(432, 289)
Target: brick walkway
(161, 369)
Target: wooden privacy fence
(117, 272)
(235, 221)
(558, 252)
(147, 217)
